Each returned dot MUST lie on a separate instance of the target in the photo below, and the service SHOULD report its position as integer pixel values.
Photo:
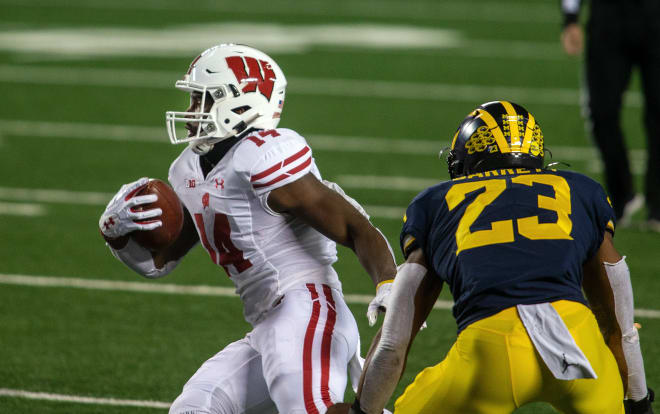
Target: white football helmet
(247, 88)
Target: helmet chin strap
(241, 129)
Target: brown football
(172, 216)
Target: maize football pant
(493, 368)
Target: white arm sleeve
(624, 307)
(385, 366)
(139, 259)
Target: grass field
(378, 87)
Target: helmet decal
(260, 74)
(495, 129)
(498, 134)
(480, 140)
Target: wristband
(384, 282)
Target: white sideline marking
(198, 290)
(146, 287)
(22, 209)
(427, 10)
(72, 130)
(181, 39)
(55, 196)
(101, 199)
(308, 86)
(82, 400)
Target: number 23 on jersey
(502, 231)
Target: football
(172, 216)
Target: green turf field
(377, 87)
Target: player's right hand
(118, 218)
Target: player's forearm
(373, 252)
(382, 376)
(632, 365)
(385, 366)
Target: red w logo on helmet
(259, 74)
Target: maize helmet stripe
(529, 133)
(453, 141)
(512, 120)
(495, 130)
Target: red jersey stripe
(279, 165)
(285, 175)
(326, 345)
(308, 395)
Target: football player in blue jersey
(517, 244)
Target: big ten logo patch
(256, 73)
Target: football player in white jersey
(254, 198)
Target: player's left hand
(379, 303)
(642, 406)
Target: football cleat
(498, 134)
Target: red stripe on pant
(326, 345)
(308, 395)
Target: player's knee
(199, 401)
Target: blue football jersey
(507, 237)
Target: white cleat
(630, 209)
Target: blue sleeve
(603, 215)
(416, 223)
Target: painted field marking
(146, 287)
(101, 199)
(196, 290)
(6, 392)
(126, 133)
(362, 88)
(482, 11)
(22, 209)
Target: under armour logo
(109, 222)
(220, 183)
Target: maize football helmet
(247, 88)
(498, 134)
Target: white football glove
(379, 303)
(118, 218)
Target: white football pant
(293, 361)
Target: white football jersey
(263, 252)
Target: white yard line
(128, 133)
(101, 199)
(195, 290)
(483, 11)
(22, 209)
(6, 392)
(429, 91)
(146, 287)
